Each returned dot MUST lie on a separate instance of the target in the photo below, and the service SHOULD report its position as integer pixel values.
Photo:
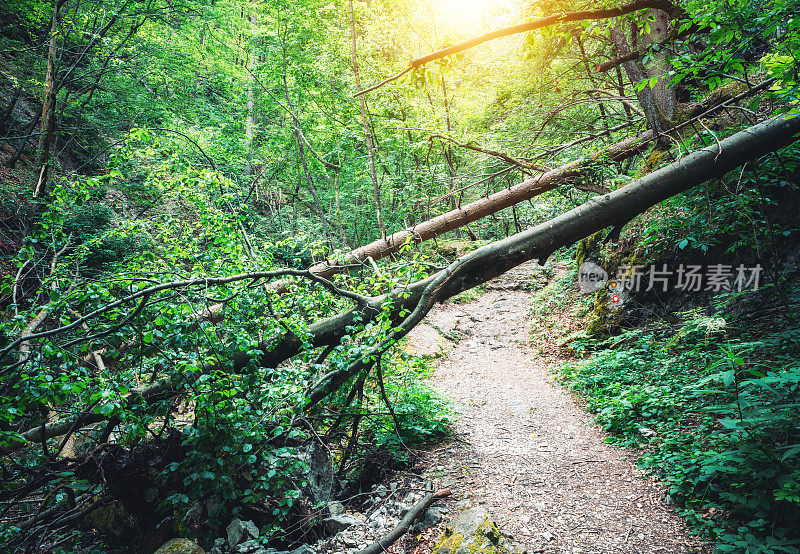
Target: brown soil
(525, 449)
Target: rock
(547, 535)
(180, 546)
(219, 546)
(321, 478)
(433, 516)
(471, 521)
(471, 531)
(336, 508)
(350, 542)
(381, 491)
(304, 549)
(402, 509)
(379, 522)
(194, 514)
(334, 524)
(240, 531)
(251, 547)
(112, 520)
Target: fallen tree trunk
(381, 248)
(402, 528)
(611, 210)
(432, 228)
(570, 173)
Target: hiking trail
(524, 449)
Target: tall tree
(368, 138)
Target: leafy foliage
(717, 412)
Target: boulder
(251, 547)
(180, 546)
(240, 531)
(433, 516)
(336, 508)
(334, 524)
(219, 546)
(472, 531)
(321, 477)
(304, 549)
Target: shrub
(87, 220)
(720, 422)
(110, 249)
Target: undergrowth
(422, 413)
(716, 408)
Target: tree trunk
(249, 122)
(570, 173)
(611, 210)
(368, 138)
(657, 101)
(48, 107)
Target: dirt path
(526, 451)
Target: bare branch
(605, 13)
(505, 157)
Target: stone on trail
(321, 478)
(473, 530)
(336, 508)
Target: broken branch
(402, 528)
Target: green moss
(654, 159)
(588, 246)
(490, 530)
(448, 544)
(485, 540)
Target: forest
(225, 223)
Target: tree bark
(611, 210)
(48, 106)
(570, 173)
(368, 138)
(416, 511)
(657, 101)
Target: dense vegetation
(170, 169)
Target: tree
(409, 305)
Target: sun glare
(467, 17)
(468, 13)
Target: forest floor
(524, 449)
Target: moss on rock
(473, 532)
(180, 546)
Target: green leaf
(728, 377)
